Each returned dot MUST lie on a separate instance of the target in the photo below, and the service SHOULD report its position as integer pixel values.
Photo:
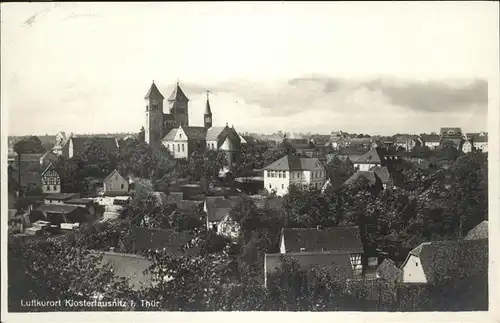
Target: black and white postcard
(299, 161)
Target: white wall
(116, 183)
(482, 146)
(432, 145)
(467, 147)
(316, 177)
(365, 167)
(413, 271)
(277, 183)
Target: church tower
(207, 116)
(154, 116)
(178, 106)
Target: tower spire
(207, 116)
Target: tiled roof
(146, 238)
(170, 135)
(477, 138)
(195, 133)
(389, 271)
(217, 207)
(177, 94)
(129, 266)
(153, 92)
(382, 173)
(291, 162)
(368, 175)
(57, 208)
(113, 173)
(452, 259)
(478, 232)
(338, 239)
(337, 264)
(372, 156)
(213, 133)
(430, 138)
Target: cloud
(352, 96)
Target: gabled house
(432, 141)
(51, 181)
(293, 170)
(335, 239)
(337, 264)
(435, 261)
(224, 139)
(373, 157)
(477, 142)
(216, 208)
(183, 141)
(408, 142)
(453, 136)
(115, 183)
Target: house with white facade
(293, 170)
(475, 141)
(439, 260)
(115, 183)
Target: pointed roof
(177, 94)
(207, 107)
(153, 92)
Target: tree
(142, 135)
(98, 161)
(338, 171)
(52, 270)
(29, 145)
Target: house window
(121, 186)
(178, 147)
(269, 185)
(180, 135)
(279, 174)
(168, 146)
(116, 177)
(282, 186)
(110, 186)
(182, 147)
(213, 146)
(284, 174)
(54, 187)
(48, 187)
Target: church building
(173, 131)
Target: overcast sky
(379, 68)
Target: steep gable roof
(217, 207)
(382, 173)
(213, 133)
(170, 135)
(478, 232)
(339, 239)
(153, 92)
(114, 172)
(372, 156)
(292, 162)
(338, 265)
(452, 259)
(50, 167)
(178, 95)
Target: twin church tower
(158, 124)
